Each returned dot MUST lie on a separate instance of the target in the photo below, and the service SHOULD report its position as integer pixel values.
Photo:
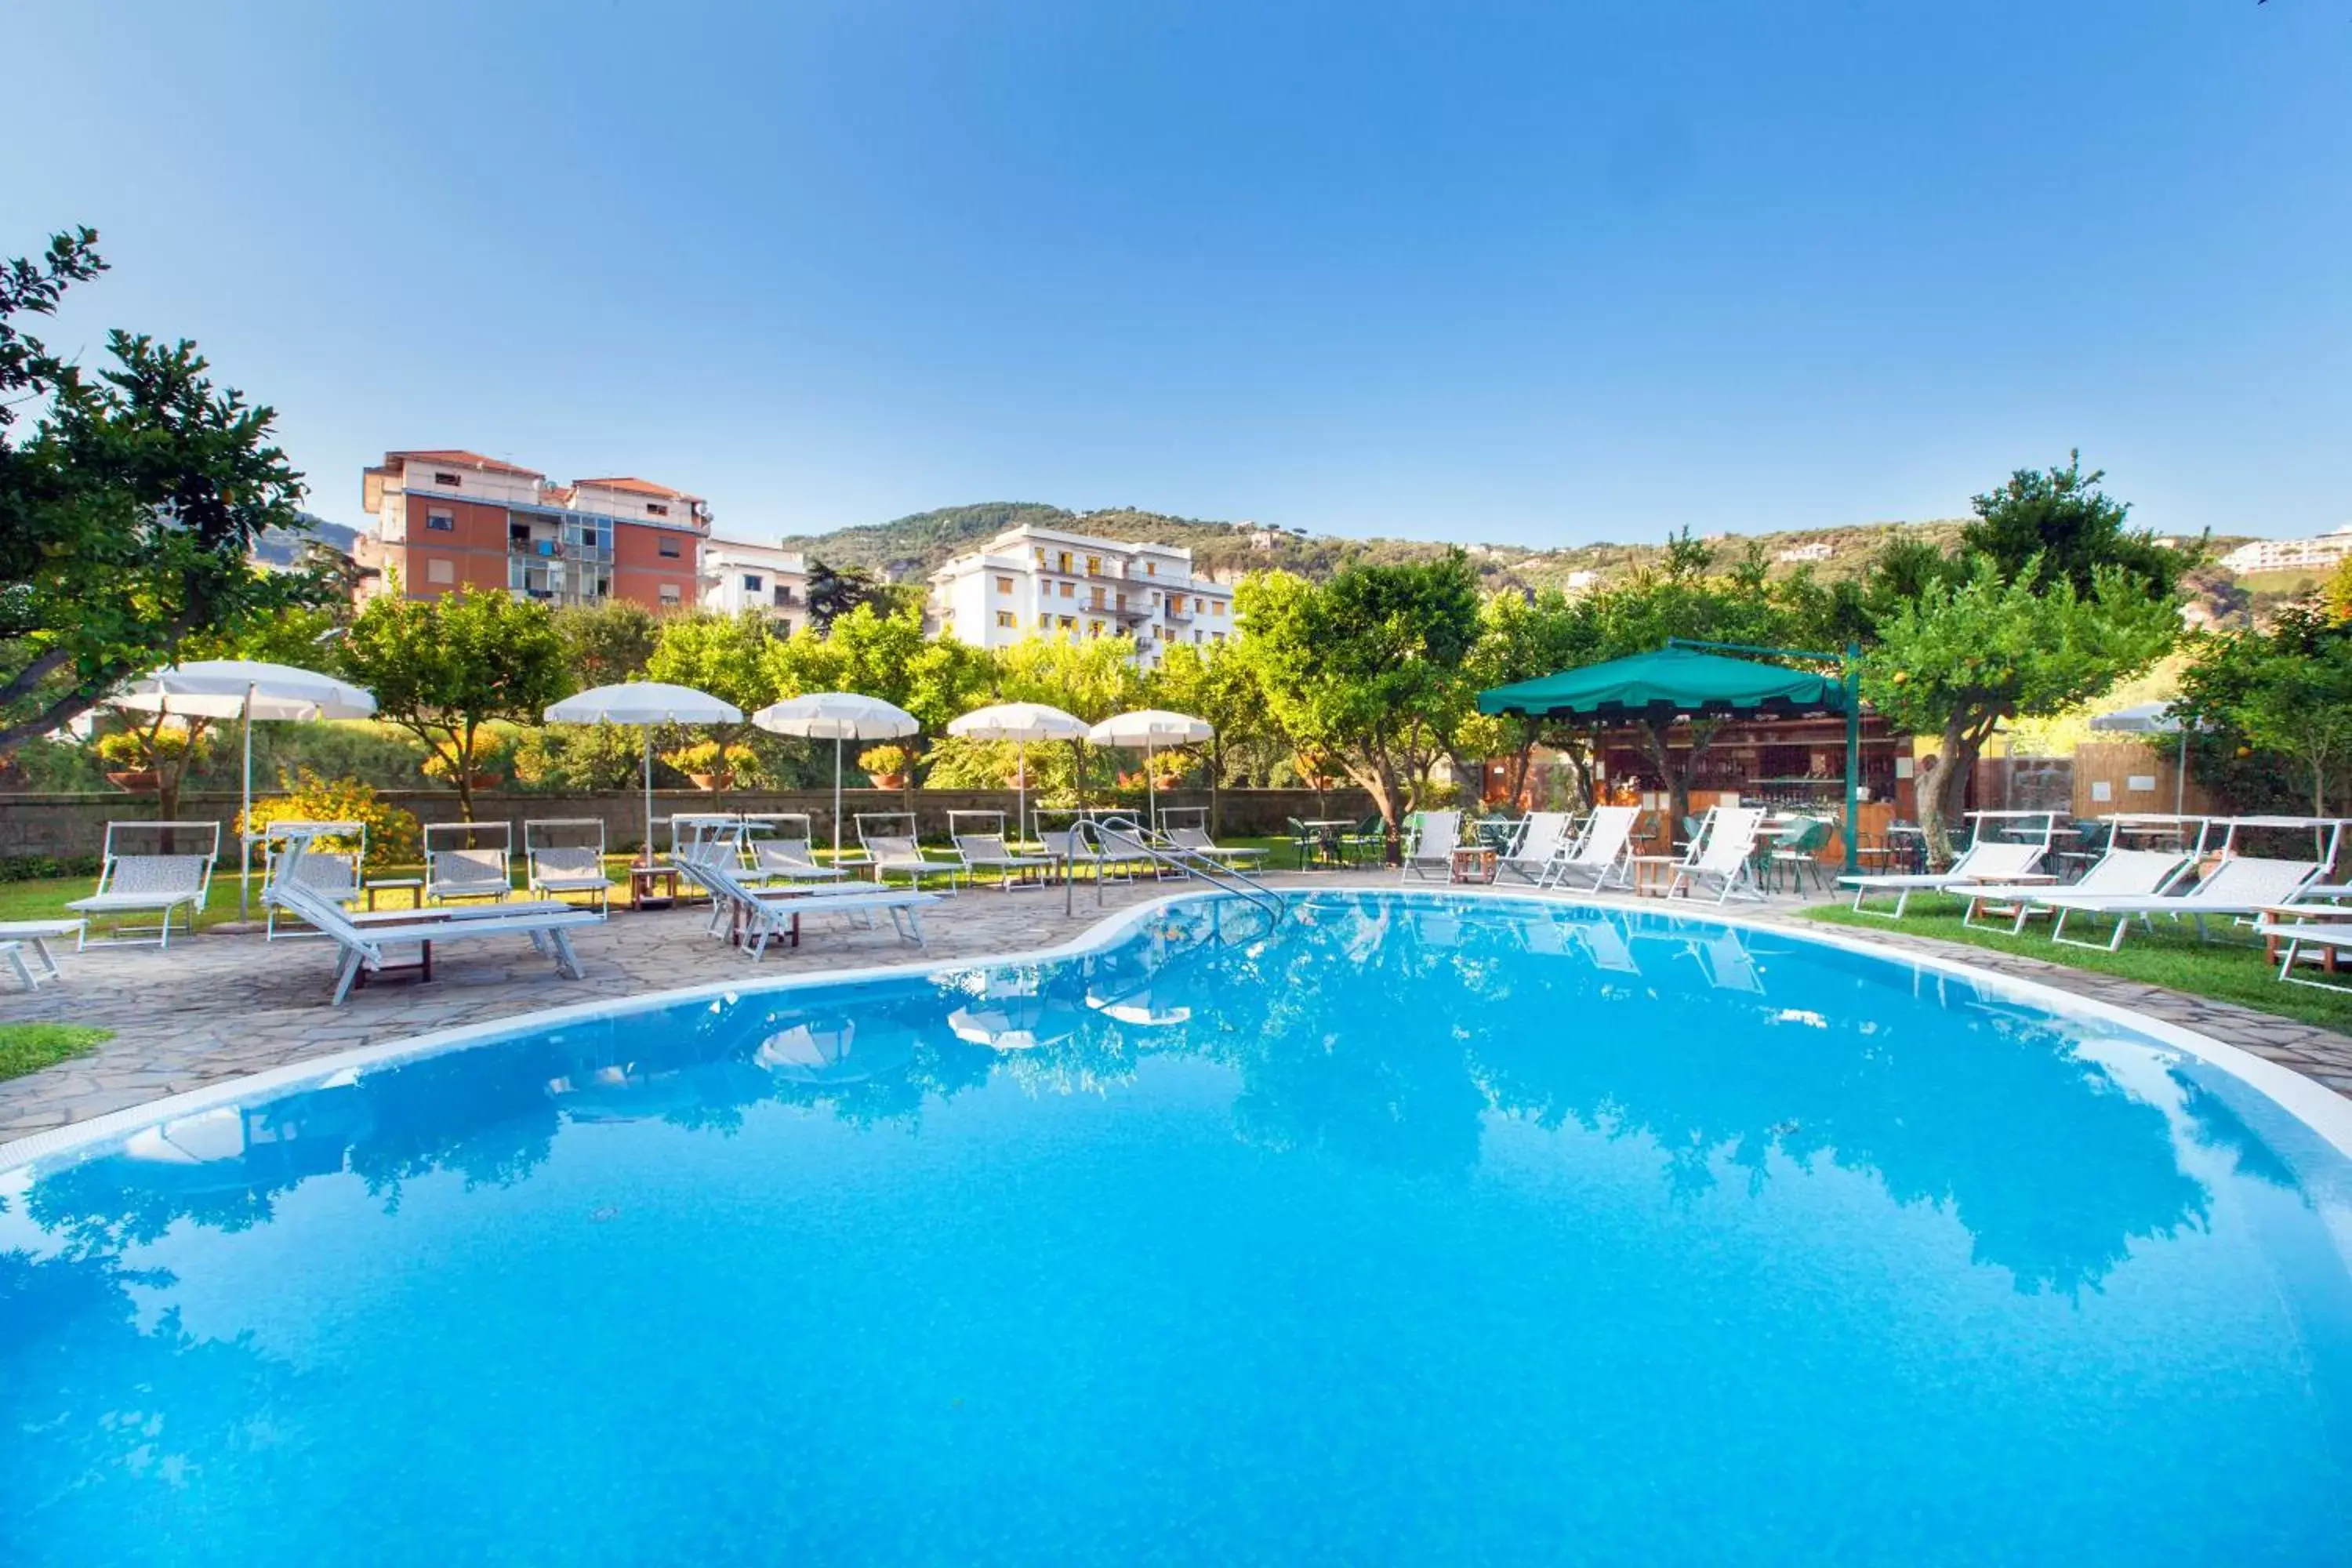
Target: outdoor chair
(1313, 844)
(326, 868)
(2118, 874)
(1797, 853)
(459, 865)
(979, 840)
(2242, 888)
(1541, 839)
(782, 849)
(1724, 857)
(1435, 836)
(362, 938)
(555, 868)
(1368, 841)
(888, 849)
(752, 917)
(1602, 855)
(19, 936)
(151, 868)
(1986, 860)
(1196, 840)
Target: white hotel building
(1039, 581)
(736, 575)
(2288, 554)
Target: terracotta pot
(138, 780)
(711, 782)
(481, 782)
(888, 781)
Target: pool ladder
(1124, 839)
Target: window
(517, 533)
(1005, 618)
(1197, 637)
(1122, 601)
(669, 594)
(669, 550)
(1094, 628)
(783, 625)
(750, 582)
(1219, 636)
(1217, 608)
(1043, 620)
(1041, 558)
(440, 572)
(1094, 565)
(1065, 561)
(655, 508)
(1004, 585)
(1152, 568)
(1068, 623)
(1070, 589)
(445, 481)
(587, 538)
(441, 520)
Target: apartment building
(738, 577)
(447, 518)
(1031, 581)
(2290, 554)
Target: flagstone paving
(221, 1006)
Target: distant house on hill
(2286, 555)
(1817, 551)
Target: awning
(1670, 681)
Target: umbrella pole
(1151, 786)
(837, 801)
(245, 822)
(2180, 775)
(1021, 801)
(646, 854)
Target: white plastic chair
(566, 855)
(1435, 836)
(458, 865)
(137, 878)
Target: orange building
(445, 518)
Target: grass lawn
(29, 1047)
(2228, 970)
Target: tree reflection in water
(1376, 1031)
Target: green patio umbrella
(1675, 680)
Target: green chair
(1369, 839)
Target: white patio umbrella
(839, 717)
(643, 703)
(2153, 719)
(1152, 728)
(247, 688)
(1019, 723)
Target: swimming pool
(1422, 1230)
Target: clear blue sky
(1542, 273)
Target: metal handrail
(1133, 835)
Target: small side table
(643, 879)
(415, 886)
(1655, 873)
(1473, 863)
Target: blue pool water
(1421, 1232)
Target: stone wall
(65, 827)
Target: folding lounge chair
(1990, 861)
(364, 938)
(1543, 839)
(1433, 841)
(467, 870)
(780, 847)
(1602, 857)
(2239, 887)
(2119, 873)
(1196, 840)
(986, 852)
(893, 852)
(142, 882)
(1725, 857)
(555, 869)
(17, 936)
(751, 916)
(2332, 938)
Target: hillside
(910, 547)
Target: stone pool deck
(221, 1006)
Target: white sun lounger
(1197, 841)
(559, 868)
(465, 869)
(1603, 855)
(1992, 861)
(15, 936)
(987, 852)
(1435, 839)
(364, 938)
(1725, 855)
(336, 874)
(751, 916)
(2335, 937)
(2239, 887)
(1543, 838)
(151, 882)
(2118, 874)
(782, 846)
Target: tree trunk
(1677, 779)
(1943, 789)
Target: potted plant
(129, 767)
(153, 758)
(436, 767)
(886, 765)
(712, 766)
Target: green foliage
(726, 656)
(886, 656)
(2060, 524)
(446, 668)
(833, 591)
(129, 511)
(559, 757)
(1088, 678)
(392, 836)
(2272, 706)
(1215, 682)
(730, 766)
(1366, 670)
(881, 762)
(29, 1047)
(607, 642)
(149, 748)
